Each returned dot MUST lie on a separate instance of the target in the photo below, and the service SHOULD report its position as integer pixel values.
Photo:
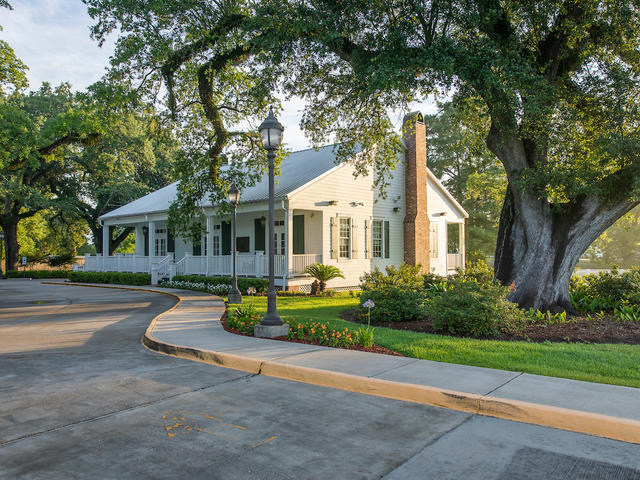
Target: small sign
(24, 260)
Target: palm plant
(323, 273)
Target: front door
(278, 237)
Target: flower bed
(217, 289)
(244, 318)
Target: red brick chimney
(416, 219)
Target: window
(206, 245)
(282, 249)
(376, 238)
(242, 244)
(161, 247)
(433, 240)
(216, 245)
(345, 237)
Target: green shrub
(478, 271)
(605, 290)
(469, 308)
(60, 260)
(37, 274)
(120, 278)
(260, 284)
(399, 294)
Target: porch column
(209, 235)
(288, 237)
(152, 242)
(139, 240)
(463, 245)
(106, 236)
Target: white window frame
(216, 246)
(375, 254)
(161, 247)
(346, 237)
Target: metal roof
(298, 169)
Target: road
(81, 398)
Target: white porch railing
(248, 264)
(300, 262)
(454, 261)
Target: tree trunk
(537, 250)
(11, 247)
(96, 231)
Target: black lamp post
(271, 138)
(1, 252)
(234, 198)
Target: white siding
(356, 200)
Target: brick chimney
(416, 220)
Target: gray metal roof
(298, 169)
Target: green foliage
(469, 308)
(627, 314)
(546, 318)
(322, 333)
(457, 154)
(37, 273)
(120, 278)
(323, 273)
(365, 336)
(243, 319)
(605, 290)
(398, 295)
(60, 260)
(619, 245)
(260, 284)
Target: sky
(52, 38)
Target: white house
(323, 214)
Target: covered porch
(297, 235)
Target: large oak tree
(558, 78)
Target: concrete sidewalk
(192, 330)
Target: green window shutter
(171, 242)
(146, 244)
(298, 234)
(197, 249)
(387, 253)
(226, 238)
(259, 233)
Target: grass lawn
(604, 363)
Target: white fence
(247, 264)
(120, 263)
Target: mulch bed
(576, 329)
(373, 349)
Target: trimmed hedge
(260, 284)
(119, 278)
(37, 274)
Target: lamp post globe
(271, 324)
(234, 198)
(271, 132)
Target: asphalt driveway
(81, 398)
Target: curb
(606, 426)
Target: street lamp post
(1, 252)
(234, 198)
(271, 324)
